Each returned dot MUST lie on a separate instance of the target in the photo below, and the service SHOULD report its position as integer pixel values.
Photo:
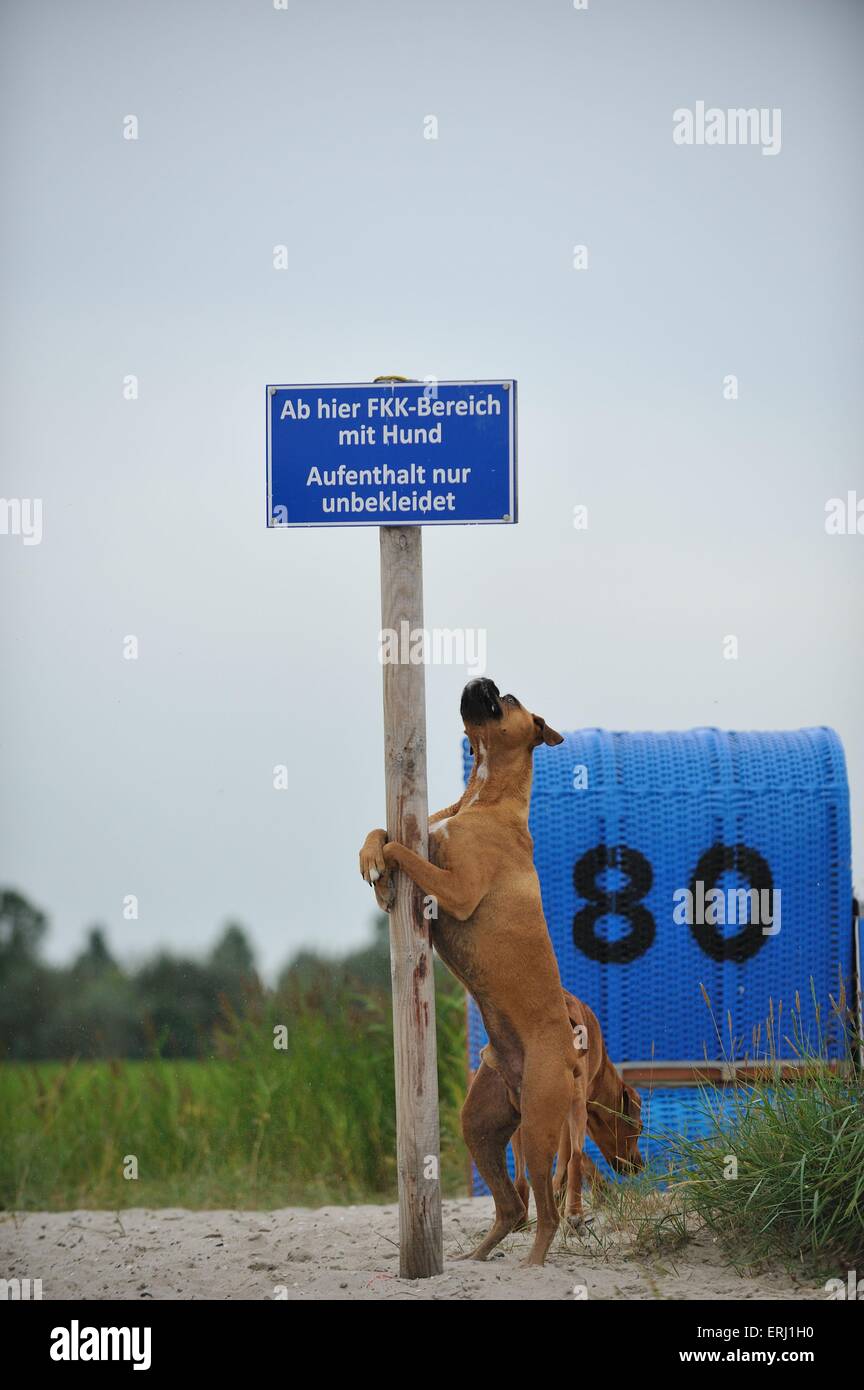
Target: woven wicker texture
(623, 821)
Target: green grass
(254, 1126)
(795, 1190)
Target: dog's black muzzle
(481, 701)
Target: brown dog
(603, 1105)
(491, 932)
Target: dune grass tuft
(782, 1177)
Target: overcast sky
(454, 257)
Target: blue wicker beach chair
(625, 826)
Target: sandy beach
(335, 1253)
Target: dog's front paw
(372, 863)
(375, 870)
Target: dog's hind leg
(488, 1120)
(520, 1180)
(578, 1122)
(547, 1092)
(559, 1181)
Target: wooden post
(417, 1140)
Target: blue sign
(392, 454)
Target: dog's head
(616, 1130)
(501, 721)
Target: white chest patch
(481, 771)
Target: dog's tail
(580, 1015)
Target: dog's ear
(630, 1102)
(545, 734)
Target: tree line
(170, 1005)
